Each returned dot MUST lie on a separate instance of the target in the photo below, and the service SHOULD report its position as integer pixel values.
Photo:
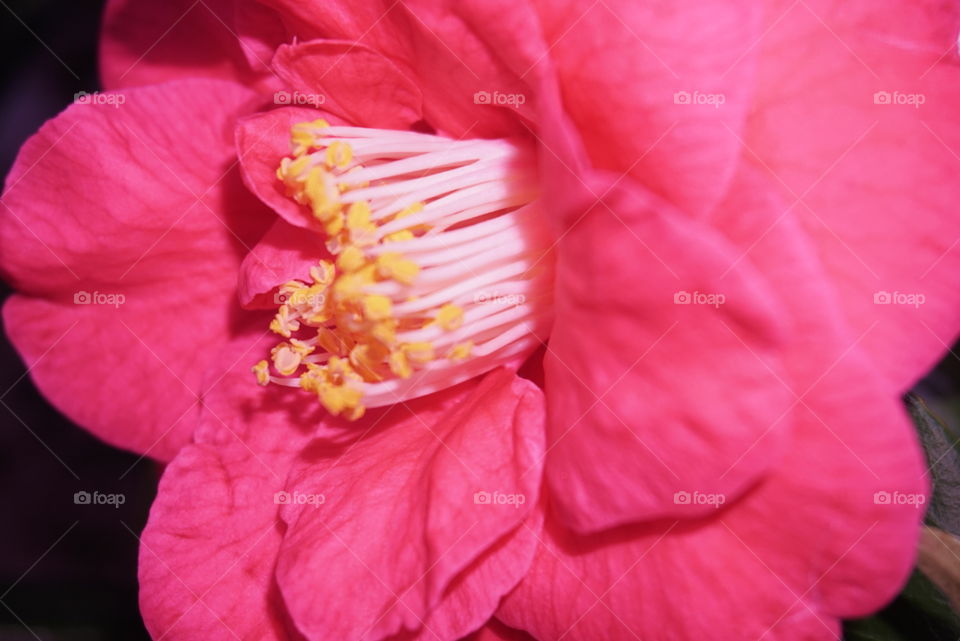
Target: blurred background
(68, 570)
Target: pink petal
(262, 141)
(875, 181)
(651, 390)
(399, 536)
(811, 543)
(284, 253)
(622, 63)
(209, 549)
(104, 202)
(451, 50)
(146, 43)
(355, 82)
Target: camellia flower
(569, 320)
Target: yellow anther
(394, 265)
(410, 210)
(350, 286)
(450, 317)
(399, 236)
(385, 331)
(262, 372)
(301, 347)
(377, 307)
(351, 259)
(339, 155)
(283, 324)
(367, 360)
(323, 273)
(330, 341)
(460, 351)
(419, 353)
(291, 173)
(333, 225)
(323, 200)
(362, 231)
(399, 364)
(286, 359)
(415, 208)
(312, 297)
(303, 135)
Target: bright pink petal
(661, 371)
(873, 184)
(452, 50)
(262, 141)
(647, 105)
(403, 535)
(209, 549)
(104, 203)
(284, 253)
(355, 82)
(146, 43)
(810, 544)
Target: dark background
(68, 571)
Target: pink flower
(744, 216)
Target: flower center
(441, 268)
